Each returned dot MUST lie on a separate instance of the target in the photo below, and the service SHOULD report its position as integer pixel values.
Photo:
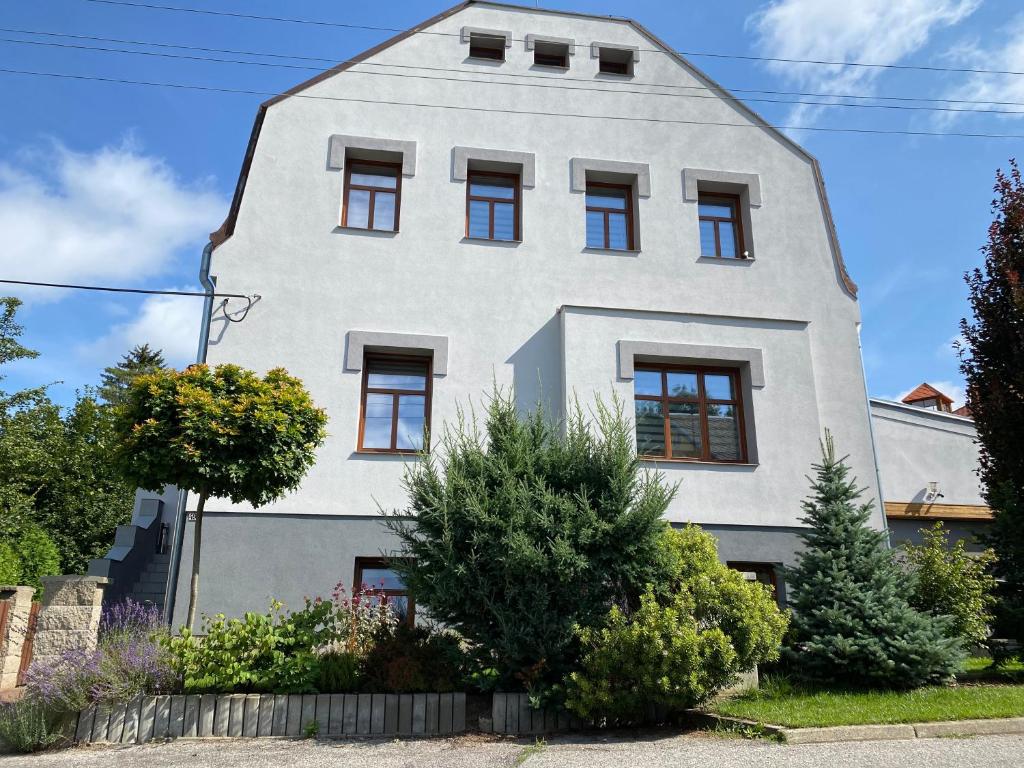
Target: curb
(841, 733)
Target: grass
(979, 668)
(781, 703)
(536, 748)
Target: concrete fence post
(16, 609)
(69, 619)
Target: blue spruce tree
(852, 624)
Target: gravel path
(654, 751)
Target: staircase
(152, 581)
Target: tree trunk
(197, 540)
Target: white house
(556, 202)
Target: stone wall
(69, 619)
(19, 608)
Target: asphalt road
(654, 751)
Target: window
(721, 233)
(762, 573)
(615, 61)
(688, 412)
(482, 46)
(374, 573)
(551, 54)
(395, 403)
(492, 206)
(373, 191)
(609, 216)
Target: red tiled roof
(925, 392)
(964, 411)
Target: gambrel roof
(228, 227)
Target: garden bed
(155, 718)
(792, 706)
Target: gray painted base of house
(909, 532)
(250, 558)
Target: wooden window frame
(736, 221)
(751, 566)
(349, 186)
(491, 201)
(364, 563)
(396, 394)
(702, 402)
(628, 188)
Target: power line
(373, 28)
(625, 118)
(559, 78)
(471, 80)
(129, 290)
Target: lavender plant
(129, 659)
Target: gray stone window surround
(341, 145)
(638, 175)
(494, 160)
(595, 50)
(360, 342)
(749, 360)
(585, 169)
(468, 32)
(746, 185)
(532, 40)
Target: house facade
(547, 201)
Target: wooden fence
(149, 718)
(26, 647)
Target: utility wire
(559, 78)
(372, 28)
(474, 81)
(491, 110)
(130, 290)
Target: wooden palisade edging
(153, 718)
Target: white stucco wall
(918, 446)
(498, 304)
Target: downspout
(874, 448)
(179, 521)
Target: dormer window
(486, 46)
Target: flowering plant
(360, 620)
(128, 659)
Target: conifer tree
(852, 623)
(992, 361)
(116, 379)
(516, 539)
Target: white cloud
(169, 323)
(950, 347)
(114, 215)
(876, 31)
(1006, 55)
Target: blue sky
(119, 185)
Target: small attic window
(551, 54)
(615, 61)
(484, 46)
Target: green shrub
(687, 641)
(950, 582)
(852, 622)
(10, 564)
(38, 554)
(259, 652)
(515, 536)
(338, 672)
(415, 659)
(27, 726)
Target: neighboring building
(418, 234)
(929, 461)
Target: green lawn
(780, 703)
